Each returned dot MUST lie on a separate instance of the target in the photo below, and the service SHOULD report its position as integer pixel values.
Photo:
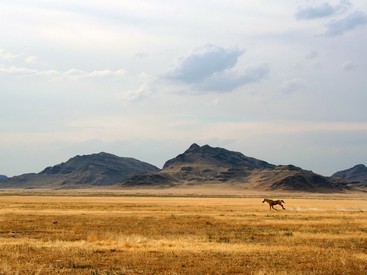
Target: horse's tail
(282, 201)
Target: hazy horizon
(283, 82)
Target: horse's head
(264, 200)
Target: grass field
(181, 235)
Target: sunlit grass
(150, 235)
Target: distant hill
(205, 164)
(197, 166)
(216, 157)
(355, 177)
(356, 173)
(2, 177)
(89, 170)
(293, 178)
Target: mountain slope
(296, 179)
(209, 156)
(96, 169)
(356, 173)
(206, 163)
(200, 165)
(197, 166)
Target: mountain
(206, 163)
(355, 177)
(356, 173)
(2, 177)
(200, 165)
(209, 156)
(87, 170)
(293, 178)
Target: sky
(281, 81)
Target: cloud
(349, 66)
(14, 70)
(80, 74)
(212, 68)
(322, 10)
(292, 86)
(31, 60)
(348, 23)
(145, 89)
(312, 55)
(71, 74)
(8, 56)
(230, 79)
(19, 57)
(204, 62)
(28, 68)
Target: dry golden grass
(167, 235)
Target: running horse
(272, 203)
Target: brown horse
(272, 203)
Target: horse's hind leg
(282, 206)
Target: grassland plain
(53, 234)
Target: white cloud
(143, 91)
(232, 78)
(349, 66)
(322, 10)
(31, 59)
(205, 62)
(94, 74)
(352, 21)
(312, 55)
(12, 58)
(72, 73)
(213, 68)
(8, 56)
(292, 86)
(14, 70)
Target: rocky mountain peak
(215, 156)
(358, 173)
(360, 168)
(98, 169)
(194, 147)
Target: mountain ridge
(356, 173)
(215, 155)
(196, 166)
(100, 169)
(356, 177)
(200, 165)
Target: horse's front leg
(274, 208)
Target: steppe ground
(86, 233)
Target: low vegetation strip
(142, 235)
